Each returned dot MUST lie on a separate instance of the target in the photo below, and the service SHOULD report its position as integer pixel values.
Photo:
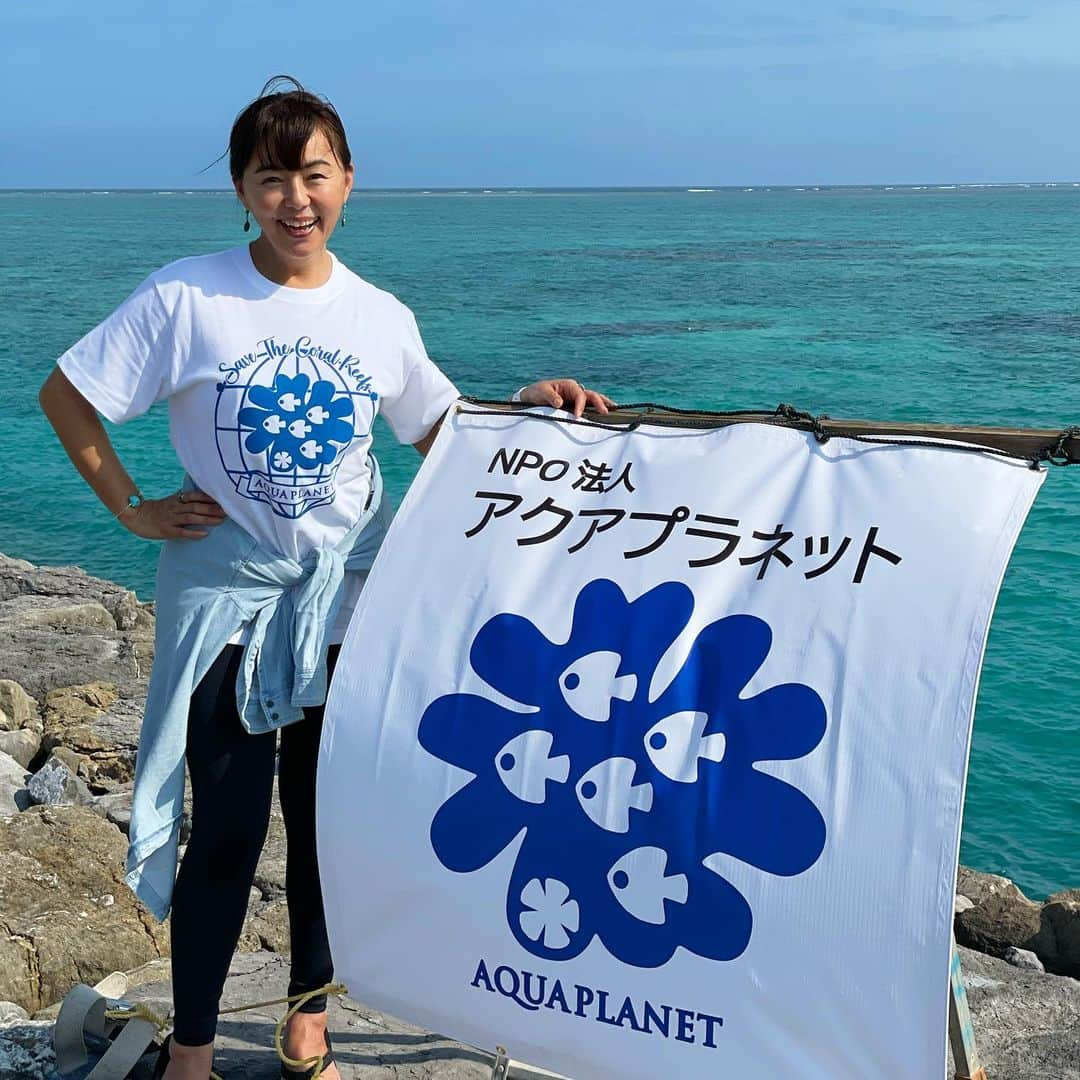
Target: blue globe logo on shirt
(283, 443)
(622, 804)
(297, 423)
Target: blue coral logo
(281, 435)
(297, 422)
(622, 799)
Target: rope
(300, 999)
(136, 1012)
(140, 1011)
(1056, 455)
(783, 416)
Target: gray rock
(26, 1050)
(1000, 916)
(126, 610)
(48, 659)
(115, 807)
(60, 626)
(17, 708)
(13, 794)
(1059, 941)
(66, 915)
(10, 1011)
(54, 784)
(267, 926)
(57, 613)
(1023, 958)
(101, 722)
(962, 903)
(22, 745)
(19, 578)
(1027, 1025)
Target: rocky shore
(73, 670)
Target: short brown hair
(278, 124)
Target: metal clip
(500, 1070)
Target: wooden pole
(1064, 444)
(961, 1032)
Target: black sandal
(324, 1063)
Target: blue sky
(111, 93)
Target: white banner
(646, 751)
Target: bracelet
(133, 503)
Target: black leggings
(232, 779)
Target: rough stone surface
(1027, 1025)
(267, 926)
(26, 1050)
(17, 708)
(120, 816)
(1022, 958)
(66, 915)
(1000, 916)
(60, 626)
(115, 807)
(22, 745)
(1060, 938)
(13, 794)
(54, 784)
(99, 722)
(69, 706)
(10, 1011)
(57, 613)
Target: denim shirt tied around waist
(207, 590)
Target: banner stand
(961, 1031)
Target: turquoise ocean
(941, 304)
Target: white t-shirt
(272, 390)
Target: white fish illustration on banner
(646, 750)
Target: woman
(275, 359)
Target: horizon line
(702, 187)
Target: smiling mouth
(299, 227)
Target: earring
(345, 206)
(247, 220)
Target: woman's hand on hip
(566, 394)
(184, 516)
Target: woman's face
(297, 211)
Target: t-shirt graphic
(283, 425)
(272, 391)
